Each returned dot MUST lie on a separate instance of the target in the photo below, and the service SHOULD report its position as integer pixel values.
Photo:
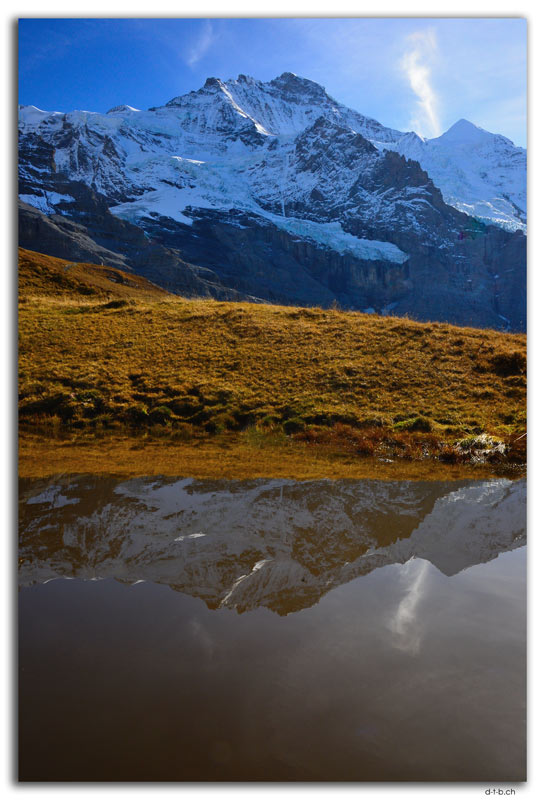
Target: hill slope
(46, 276)
(131, 357)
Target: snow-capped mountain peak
(480, 173)
(123, 109)
(284, 106)
(286, 157)
(464, 133)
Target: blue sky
(409, 73)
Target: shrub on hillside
(160, 415)
(422, 424)
(60, 404)
(136, 414)
(509, 363)
(293, 425)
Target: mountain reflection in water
(275, 543)
(380, 632)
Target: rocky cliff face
(276, 191)
(100, 238)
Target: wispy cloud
(404, 622)
(417, 64)
(202, 44)
(203, 638)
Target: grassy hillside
(102, 351)
(41, 275)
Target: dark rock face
(107, 240)
(385, 240)
(62, 238)
(280, 267)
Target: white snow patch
(165, 203)
(34, 115)
(331, 234)
(46, 203)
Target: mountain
(280, 193)
(480, 173)
(275, 543)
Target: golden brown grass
(104, 351)
(43, 275)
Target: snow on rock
(480, 173)
(240, 143)
(47, 201)
(331, 234)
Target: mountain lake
(272, 630)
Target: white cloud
(201, 45)
(417, 64)
(203, 638)
(403, 624)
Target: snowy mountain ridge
(480, 173)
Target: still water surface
(184, 630)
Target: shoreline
(232, 459)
